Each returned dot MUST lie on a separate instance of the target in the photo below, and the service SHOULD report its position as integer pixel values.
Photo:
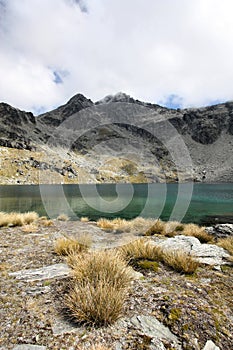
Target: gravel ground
(195, 309)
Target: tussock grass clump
(17, 219)
(137, 224)
(99, 347)
(31, 228)
(226, 243)
(47, 222)
(63, 217)
(84, 219)
(158, 227)
(140, 249)
(68, 245)
(172, 228)
(198, 232)
(179, 261)
(105, 224)
(107, 265)
(100, 283)
(99, 304)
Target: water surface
(209, 202)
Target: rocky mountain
(118, 139)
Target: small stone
(210, 346)
(150, 326)
(60, 327)
(29, 347)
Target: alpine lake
(199, 202)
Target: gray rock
(43, 273)
(210, 346)
(220, 230)
(61, 326)
(29, 347)
(208, 254)
(151, 327)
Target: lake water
(200, 203)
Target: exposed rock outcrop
(138, 131)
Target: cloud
(177, 53)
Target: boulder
(220, 230)
(208, 254)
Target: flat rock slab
(61, 326)
(208, 254)
(43, 273)
(29, 347)
(150, 326)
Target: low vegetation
(198, 232)
(98, 347)
(179, 261)
(100, 284)
(63, 217)
(84, 219)
(69, 245)
(140, 249)
(151, 227)
(141, 253)
(158, 227)
(138, 224)
(17, 219)
(226, 243)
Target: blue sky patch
(57, 78)
(172, 101)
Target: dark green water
(209, 202)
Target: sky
(178, 53)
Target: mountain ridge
(206, 132)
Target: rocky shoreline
(164, 309)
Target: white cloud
(150, 49)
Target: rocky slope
(116, 139)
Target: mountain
(117, 139)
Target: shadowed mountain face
(197, 142)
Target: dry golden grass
(85, 239)
(63, 217)
(179, 261)
(140, 249)
(99, 304)
(68, 245)
(99, 347)
(138, 224)
(198, 232)
(31, 228)
(17, 219)
(47, 222)
(105, 224)
(84, 219)
(100, 284)
(172, 228)
(158, 227)
(106, 265)
(226, 243)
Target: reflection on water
(128, 201)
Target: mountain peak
(78, 98)
(118, 97)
